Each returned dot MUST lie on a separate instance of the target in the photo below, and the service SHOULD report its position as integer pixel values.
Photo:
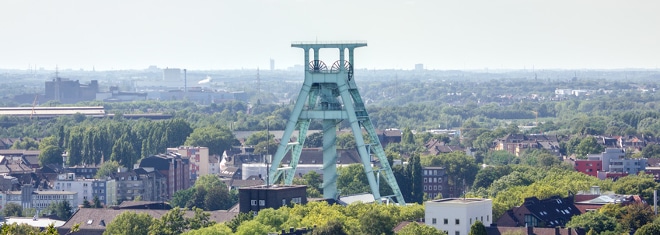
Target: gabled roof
(554, 211)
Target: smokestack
(185, 82)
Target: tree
(130, 223)
(240, 218)
(50, 155)
(651, 151)
(642, 185)
(588, 145)
(171, 223)
(217, 229)
(333, 227)
(217, 139)
(376, 222)
(106, 169)
(488, 175)
(61, 209)
(416, 179)
(460, 168)
(13, 209)
(352, 179)
(637, 215)
(315, 140)
(182, 197)
(26, 143)
(96, 202)
(648, 229)
(593, 220)
(419, 229)
(201, 219)
(124, 152)
(477, 228)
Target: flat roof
(273, 187)
(39, 222)
(460, 200)
(329, 44)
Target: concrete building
(435, 182)
(39, 200)
(614, 160)
(589, 167)
(274, 196)
(172, 74)
(199, 160)
(174, 167)
(69, 91)
(86, 189)
(456, 215)
(145, 183)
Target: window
(457, 233)
(253, 202)
(482, 218)
(458, 221)
(296, 200)
(445, 221)
(470, 220)
(262, 202)
(434, 221)
(425, 180)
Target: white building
(456, 215)
(86, 189)
(39, 200)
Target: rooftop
(459, 200)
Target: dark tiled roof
(144, 205)
(554, 211)
(95, 220)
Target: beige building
(200, 161)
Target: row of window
(431, 172)
(433, 180)
(458, 221)
(435, 187)
(296, 200)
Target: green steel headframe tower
(331, 95)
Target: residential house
(94, 221)
(551, 212)
(518, 143)
(145, 183)
(174, 167)
(435, 182)
(199, 160)
(86, 189)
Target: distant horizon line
(294, 69)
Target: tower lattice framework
(331, 95)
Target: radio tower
(332, 96)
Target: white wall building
(40, 200)
(456, 215)
(86, 189)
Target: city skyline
(210, 35)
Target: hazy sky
(219, 34)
